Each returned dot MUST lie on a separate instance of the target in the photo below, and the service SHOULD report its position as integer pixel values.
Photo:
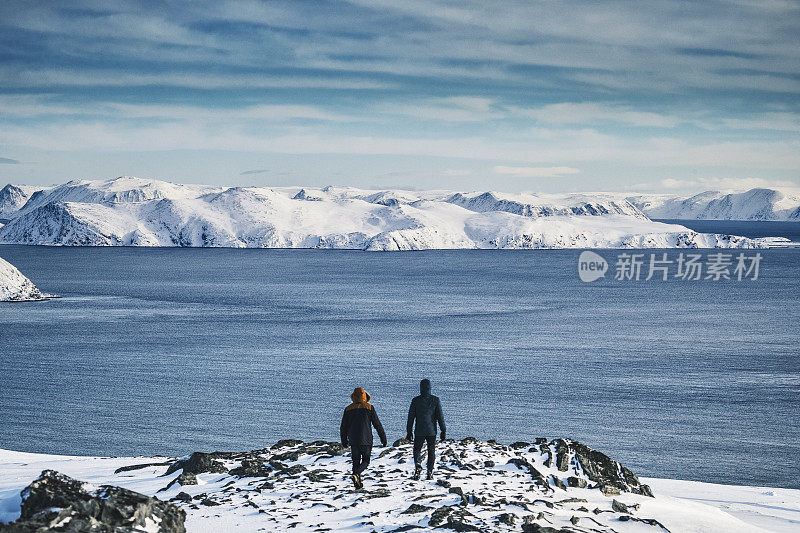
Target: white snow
(772, 509)
(13, 197)
(130, 211)
(250, 504)
(755, 204)
(14, 286)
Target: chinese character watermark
(715, 266)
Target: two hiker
(359, 417)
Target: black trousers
(360, 455)
(431, 441)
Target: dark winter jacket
(426, 411)
(358, 419)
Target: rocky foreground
(545, 486)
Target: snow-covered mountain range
(129, 211)
(755, 204)
(549, 486)
(15, 287)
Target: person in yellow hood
(356, 431)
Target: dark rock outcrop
(198, 463)
(251, 468)
(562, 455)
(56, 502)
(648, 521)
(131, 468)
(523, 464)
(415, 508)
(454, 518)
(286, 442)
(620, 507)
(606, 472)
(536, 528)
(184, 478)
(577, 482)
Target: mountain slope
(13, 197)
(14, 286)
(755, 204)
(135, 212)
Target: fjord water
(745, 228)
(166, 351)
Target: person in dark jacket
(356, 431)
(426, 412)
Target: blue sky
(517, 95)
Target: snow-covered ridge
(295, 486)
(15, 287)
(130, 211)
(13, 197)
(755, 204)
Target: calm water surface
(173, 350)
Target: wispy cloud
(451, 109)
(713, 183)
(592, 113)
(766, 121)
(26, 77)
(255, 171)
(8, 161)
(535, 172)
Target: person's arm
(412, 414)
(343, 429)
(377, 423)
(440, 417)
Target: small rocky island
(545, 486)
(15, 287)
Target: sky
(664, 96)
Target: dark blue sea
(170, 350)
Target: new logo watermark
(591, 266)
(715, 266)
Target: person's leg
(431, 452)
(366, 452)
(418, 452)
(418, 456)
(355, 454)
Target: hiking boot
(360, 482)
(356, 481)
(430, 475)
(417, 473)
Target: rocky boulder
(251, 468)
(56, 502)
(606, 472)
(198, 463)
